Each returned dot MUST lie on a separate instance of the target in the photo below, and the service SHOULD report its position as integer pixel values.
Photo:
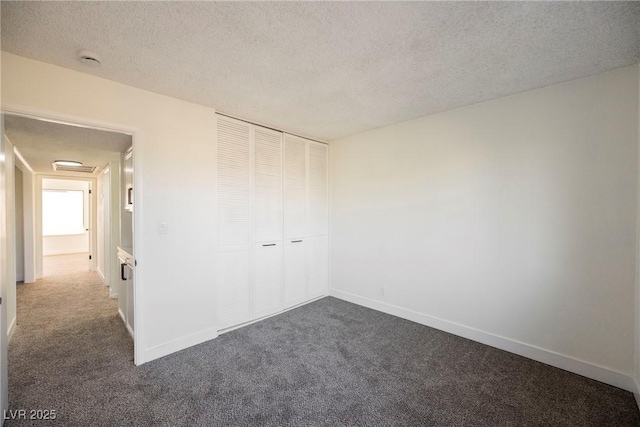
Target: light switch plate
(163, 227)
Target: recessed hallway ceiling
(41, 142)
(330, 69)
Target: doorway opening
(66, 226)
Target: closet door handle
(122, 265)
(270, 244)
(296, 241)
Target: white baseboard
(636, 392)
(113, 296)
(101, 276)
(577, 366)
(11, 330)
(130, 330)
(206, 335)
(179, 344)
(260, 319)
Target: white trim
(577, 366)
(28, 215)
(180, 344)
(130, 330)
(113, 296)
(636, 344)
(11, 330)
(636, 392)
(20, 157)
(101, 276)
(66, 119)
(19, 277)
(329, 216)
(140, 355)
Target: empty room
(322, 213)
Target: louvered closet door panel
(295, 171)
(267, 279)
(267, 178)
(234, 286)
(318, 266)
(234, 182)
(295, 272)
(318, 192)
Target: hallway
(68, 336)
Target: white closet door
(267, 279)
(233, 279)
(295, 272)
(267, 179)
(234, 286)
(295, 171)
(234, 182)
(318, 191)
(318, 266)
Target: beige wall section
(514, 217)
(175, 180)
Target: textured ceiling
(330, 69)
(40, 143)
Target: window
(62, 212)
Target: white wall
(126, 216)
(28, 219)
(514, 218)
(104, 226)
(61, 245)
(114, 206)
(19, 228)
(174, 150)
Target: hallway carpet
(324, 364)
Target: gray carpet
(327, 363)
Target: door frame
(4, 276)
(103, 224)
(28, 216)
(137, 138)
(88, 201)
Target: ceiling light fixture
(67, 163)
(89, 58)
